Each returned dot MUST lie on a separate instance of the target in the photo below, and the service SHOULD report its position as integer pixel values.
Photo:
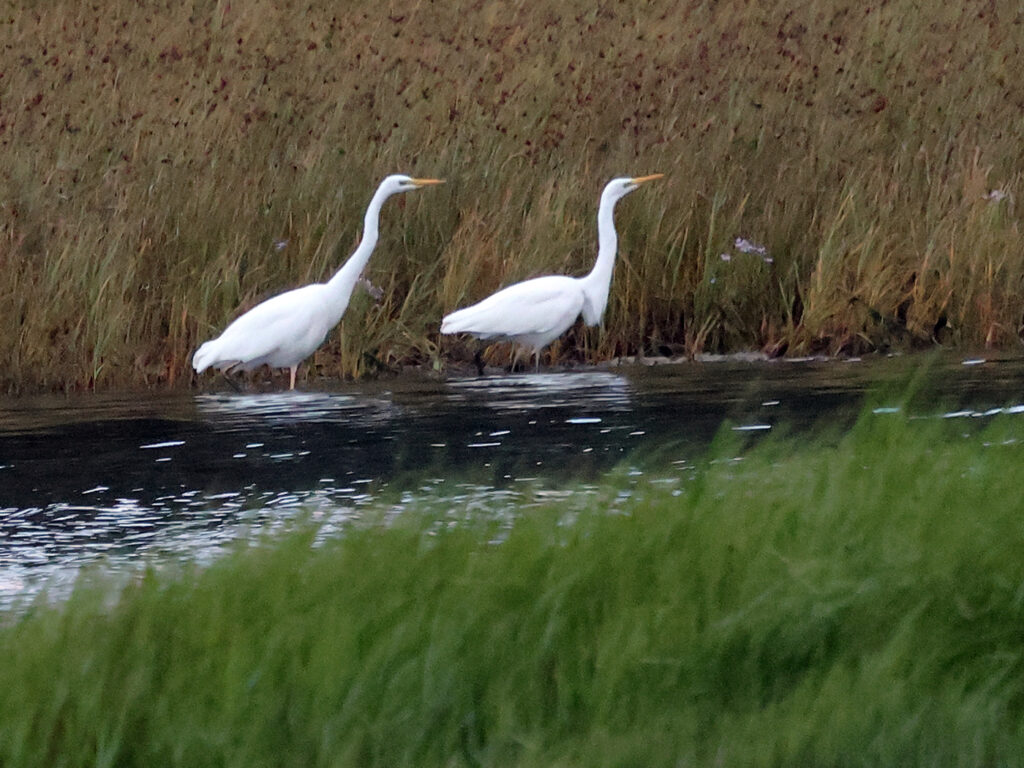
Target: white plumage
(535, 312)
(286, 329)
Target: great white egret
(286, 329)
(536, 312)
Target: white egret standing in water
(286, 329)
(536, 312)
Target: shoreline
(262, 382)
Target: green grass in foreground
(858, 602)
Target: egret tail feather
(204, 356)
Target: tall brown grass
(166, 165)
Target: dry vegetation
(166, 164)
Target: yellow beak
(652, 177)
(426, 182)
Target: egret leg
(478, 359)
(293, 369)
(229, 373)
(516, 353)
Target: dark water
(127, 479)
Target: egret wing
(274, 324)
(537, 306)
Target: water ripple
(122, 481)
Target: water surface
(125, 479)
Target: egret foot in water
(478, 360)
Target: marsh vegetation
(839, 178)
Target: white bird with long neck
(535, 312)
(286, 329)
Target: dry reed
(167, 165)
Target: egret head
(617, 188)
(401, 183)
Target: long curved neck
(597, 283)
(340, 286)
